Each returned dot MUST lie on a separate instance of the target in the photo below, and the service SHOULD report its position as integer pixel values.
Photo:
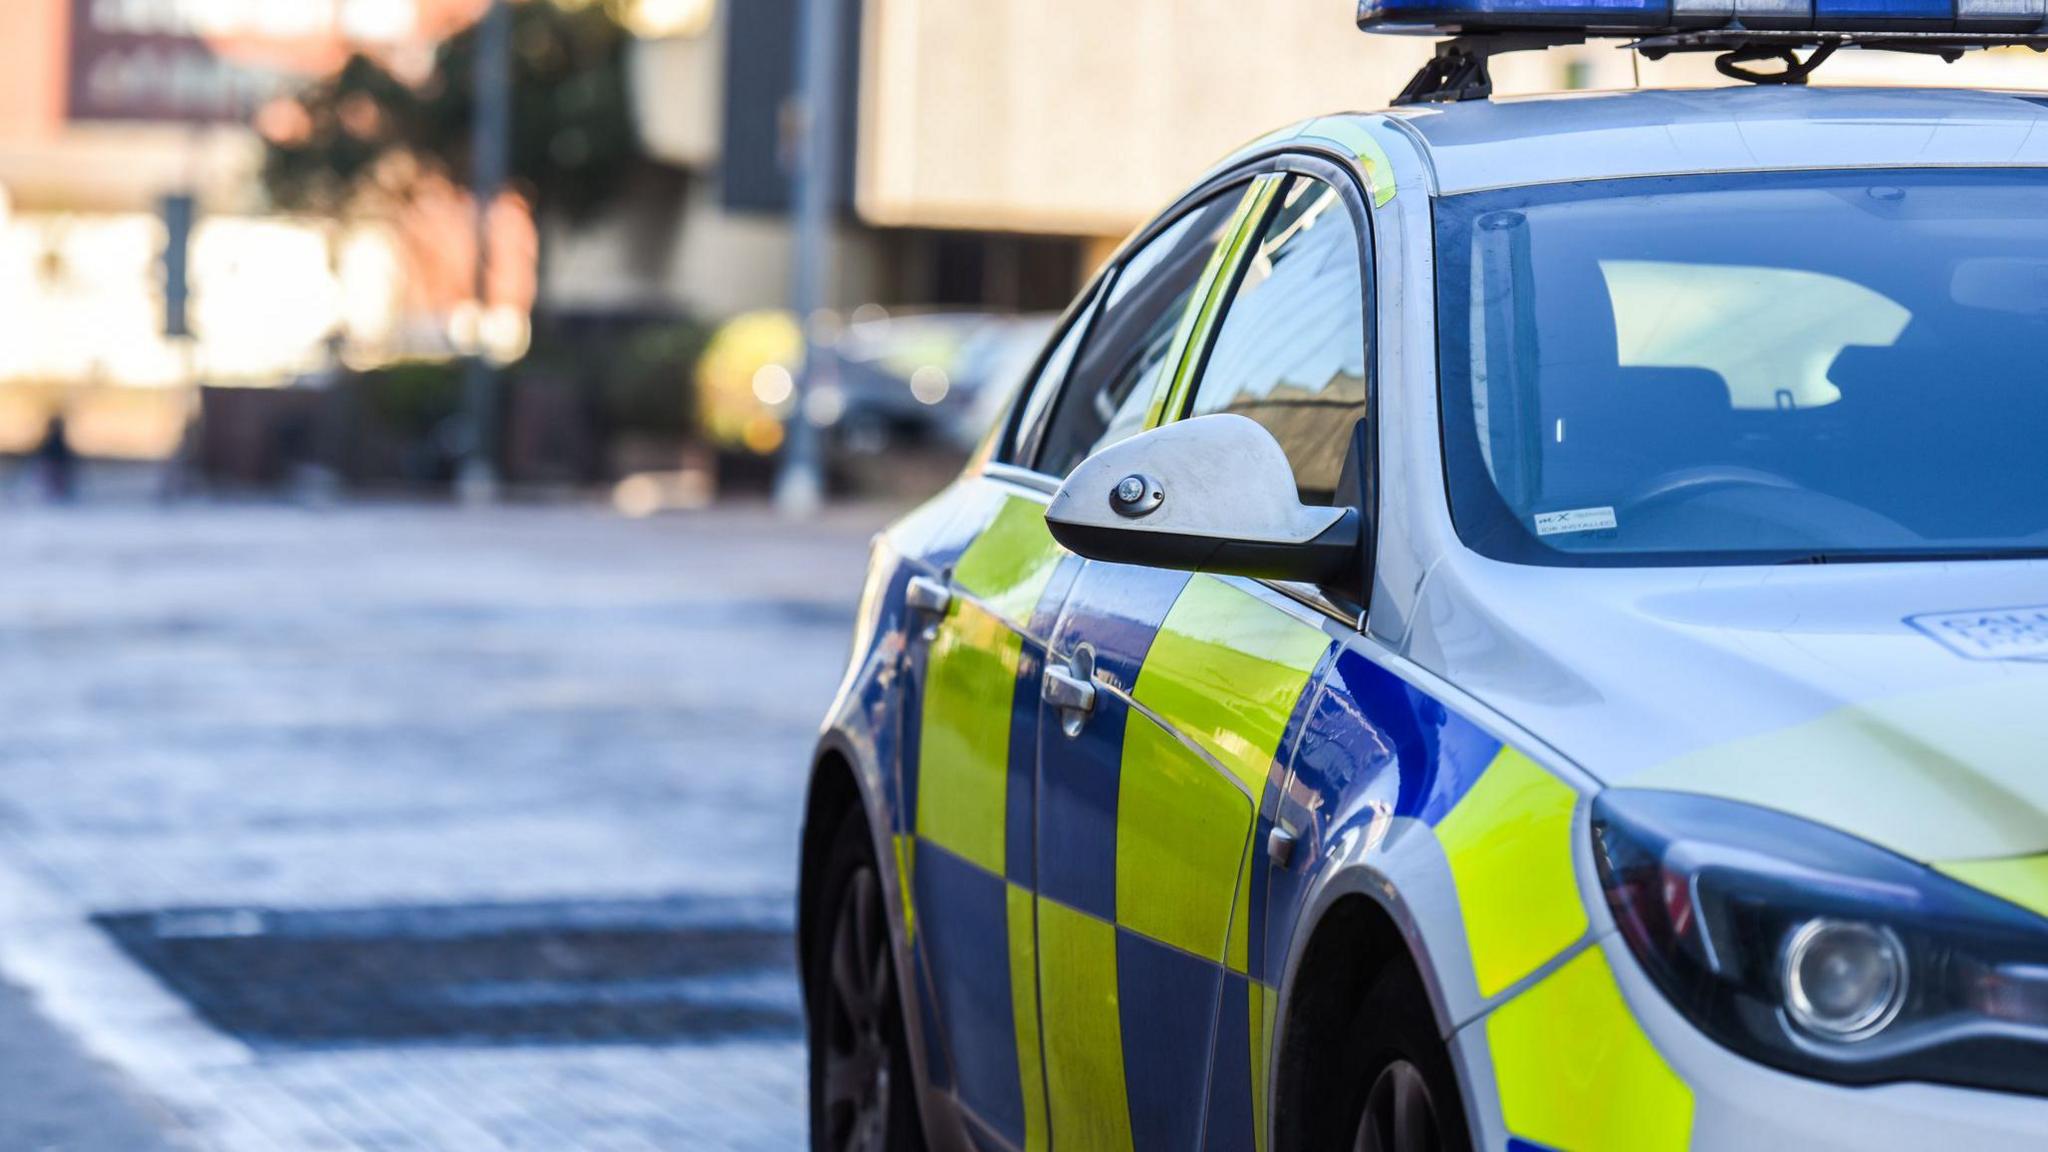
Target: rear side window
(1291, 350)
(1126, 348)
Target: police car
(1505, 625)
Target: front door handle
(1070, 688)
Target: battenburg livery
(1507, 625)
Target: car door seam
(1208, 758)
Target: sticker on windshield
(1992, 634)
(1575, 520)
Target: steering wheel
(1686, 483)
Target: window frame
(1181, 406)
(1021, 446)
(1286, 158)
(1018, 442)
(1352, 194)
(1289, 159)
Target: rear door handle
(1068, 692)
(1070, 688)
(928, 596)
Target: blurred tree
(366, 135)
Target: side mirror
(1214, 494)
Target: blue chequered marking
(880, 690)
(1463, 753)
(1229, 1124)
(938, 1062)
(908, 697)
(1078, 780)
(1368, 722)
(1166, 1000)
(1269, 806)
(979, 1135)
(1116, 609)
(964, 923)
(1046, 615)
(1372, 746)
(1020, 792)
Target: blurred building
(997, 150)
(107, 107)
(994, 152)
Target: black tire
(1404, 1094)
(863, 1097)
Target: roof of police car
(1592, 136)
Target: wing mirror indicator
(1136, 496)
(1213, 494)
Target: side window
(1291, 350)
(1046, 385)
(1125, 351)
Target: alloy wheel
(859, 1004)
(1399, 1115)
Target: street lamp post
(491, 148)
(800, 486)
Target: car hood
(1903, 703)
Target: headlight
(1819, 953)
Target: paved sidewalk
(411, 828)
(54, 1098)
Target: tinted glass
(1124, 356)
(1785, 367)
(1046, 385)
(1291, 352)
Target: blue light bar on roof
(1649, 17)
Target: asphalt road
(407, 827)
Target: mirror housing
(1211, 494)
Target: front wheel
(1408, 1095)
(1400, 1113)
(862, 1095)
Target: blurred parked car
(924, 381)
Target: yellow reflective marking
(903, 846)
(1024, 1008)
(1576, 1071)
(1083, 1032)
(1180, 835)
(1226, 670)
(1274, 137)
(1878, 769)
(1010, 563)
(2023, 881)
(1509, 842)
(964, 741)
(1236, 950)
(1212, 291)
(1355, 138)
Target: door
(1130, 940)
(968, 765)
(1172, 702)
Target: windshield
(1752, 368)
